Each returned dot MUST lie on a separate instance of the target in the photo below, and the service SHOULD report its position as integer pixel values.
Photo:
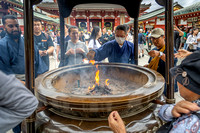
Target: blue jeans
(185, 46)
(198, 48)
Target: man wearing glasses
(157, 54)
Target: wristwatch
(161, 54)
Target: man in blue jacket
(118, 50)
(12, 52)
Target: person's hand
(45, 53)
(154, 53)
(194, 43)
(80, 50)
(146, 65)
(70, 51)
(90, 55)
(182, 53)
(42, 53)
(116, 123)
(175, 27)
(184, 107)
(23, 82)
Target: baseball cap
(157, 32)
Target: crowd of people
(116, 46)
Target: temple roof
(193, 8)
(149, 15)
(14, 2)
(39, 16)
(156, 13)
(92, 6)
(87, 6)
(186, 10)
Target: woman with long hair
(192, 40)
(93, 41)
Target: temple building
(85, 16)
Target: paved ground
(142, 61)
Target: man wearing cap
(157, 59)
(184, 115)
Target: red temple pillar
(102, 18)
(144, 28)
(87, 12)
(102, 22)
(88, 24)
(116, 13)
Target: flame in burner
(97, 77)
(106, 82)
(91, 88)
(92, 62)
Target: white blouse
(92, 46)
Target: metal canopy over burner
(131, 89)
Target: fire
(91, 88)
(92, 62)
(97, 78)
(106, 82)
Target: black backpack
(143, 39)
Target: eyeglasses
(11, 25)
(155, 38)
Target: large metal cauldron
(132, 88)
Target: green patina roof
(15, 2)
(36, 14)
(193, 8)
(41, 16)
(149, 15)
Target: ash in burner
(100, 90)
